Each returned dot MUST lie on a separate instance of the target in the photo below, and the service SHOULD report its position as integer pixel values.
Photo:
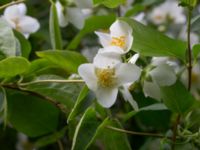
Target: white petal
(87, 72)
(120, 28)
(111, 49)
(134, 58)
(159, 60)
(28, 25)
(163, 75)
(84, 3)
(126, 73)
(104, 38)
(151, 89)
(76, 17)
(105, 60)
(128, 97)
(62, 15)
(15, 11)
(106, 96)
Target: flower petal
(151, 89)
(134, 58)
(87, 72)
(120, 28)
(84, 3)
(127, 73)
(105, 60)
(76, 17)
(163, 75)
(128, 97)
(104, 38)
(62, 15)
(15, 11)
(106, 96)
(28, 25)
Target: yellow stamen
(118, 41)
(17, 26)
(106, 77)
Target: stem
(11, 3)
(189, 68)
(189, 49)
(52, 81)
(60, 145)
(136, 133)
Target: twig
(51, 81)
(136, 133)
(11, 3)
(60, 145)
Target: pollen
(106, 77)
(118, 41)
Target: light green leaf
(91, 24)
(66, 60)
(150, 42)
(188, 3)
(85, 130)
(31, 115)
(83, 101)
(177, 98)
(7, 39)
(13, 66)
(24, 45)
(110, 3)
(54, 29)
(196, 50)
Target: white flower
(168, 11)
(120, 36)
(74, 15)
(106, 75)
(16, 17)
(195, 80)
(161, 75)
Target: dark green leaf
(31, 115)
(91, 24)
(188, 3)
(150, 42)
(13, 66)
(54, 29)
(66, 60)
(177, 98)
(7, 39)
(85, 130)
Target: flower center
(17, 26)
(106, 77)
(194, 77)
(118, 41)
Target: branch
(137, 133)
(11, 3)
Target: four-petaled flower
(16, 17)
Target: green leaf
(188, 3)
(195, 24)
(13, 66)
(150, 42)
(64, 93)
(91, 24)
(177, 98)
(83, 101)
(110, 3)
(31, 115)
(110, 139)
(196, 50)
(66, 60)
(24, 44)
(3, 104)
(54, 29)
(85, 130)
(49, 139)
(134, 10)
(7, 39)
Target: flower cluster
(107, 74)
